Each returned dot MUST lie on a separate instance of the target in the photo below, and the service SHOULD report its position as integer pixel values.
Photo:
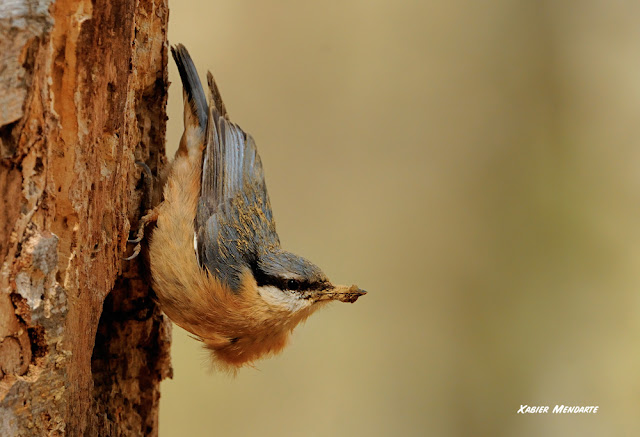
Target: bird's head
(292, 283)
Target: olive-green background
(475, 166)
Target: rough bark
(82, 98)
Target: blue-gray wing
(234, 223)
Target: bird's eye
(292, 284)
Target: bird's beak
(342, 293)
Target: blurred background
(475, 166)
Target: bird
(217, 267)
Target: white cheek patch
(282, 299)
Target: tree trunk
(83, 88)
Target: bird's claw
(150, 216)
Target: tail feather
(195, 99)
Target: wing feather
(234, 221)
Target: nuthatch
(217, 266)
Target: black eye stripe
(290, 284)
(264, 279)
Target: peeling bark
(83, 85)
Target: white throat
(285, 300)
